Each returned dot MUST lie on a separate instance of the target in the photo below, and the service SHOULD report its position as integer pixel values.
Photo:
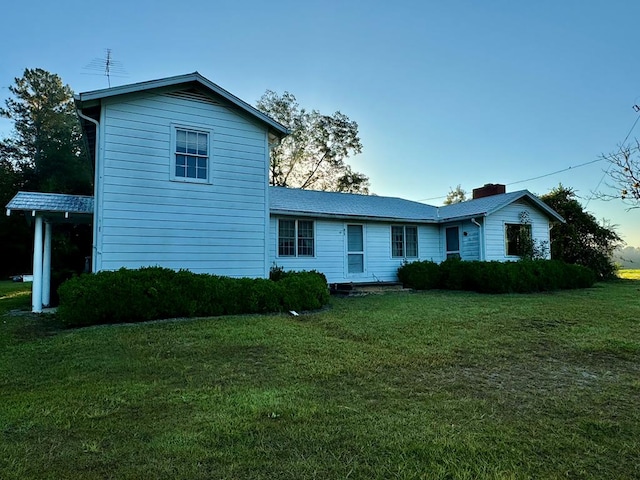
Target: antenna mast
(107, 66)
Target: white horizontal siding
(495, 228)
(147, 219)
(330, 251)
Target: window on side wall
(296, 238)
(516, 234)
(404, 241)
(191, 155)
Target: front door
(355, 249)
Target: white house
(182, 181)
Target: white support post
(46, 266)
(36, 289)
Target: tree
(582, 239)
(46, 146)
(455, 195)
(45, 153)
(314, 155)
(624, 170)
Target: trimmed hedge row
(154, 293)
(525, 276)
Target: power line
(572, 167)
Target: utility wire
(572, 167)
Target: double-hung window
(404, 241)
(295, 238)
(190, 155)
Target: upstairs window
(404, 241)
(295, 238)
(191, 155)
(517, 235)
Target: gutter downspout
(94, 258)
(480, 238)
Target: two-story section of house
(181, 177)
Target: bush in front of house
(153, 293)
(525, 276)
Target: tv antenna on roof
(107, 66)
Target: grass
(394, 386)
(629, 274)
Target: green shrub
(154, 293)
(525, 276)
(423, 275)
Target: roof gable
(89, 99)
(488, 205)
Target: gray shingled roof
(331, 204)
(488, 205)
(51, 202)
(346, 205)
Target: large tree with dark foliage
(314, 155)
(582, 239)
(44, 153)
(46, 147)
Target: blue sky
(445, 93)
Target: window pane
(181, 141)
(305, 238)
(181, 160)
(191, 172)
(202, 163)
(453, 239)
(397, 241)
(355, 240)
(356, 262)
(286, 238)
(411, 241)
(202, 143)
(180, 171)
(202, 173)
(191, 161)
(192, 142)
(305, 247)
(516, 235)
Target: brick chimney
(489, 189)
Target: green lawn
(394, 386)
(629, 274)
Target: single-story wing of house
(182, 181)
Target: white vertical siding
(330, 251)
(147, 219)
(495, 228)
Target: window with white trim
(190, 155)
(404, 241)
(295, 238)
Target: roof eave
(342, 216)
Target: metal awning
(55, 207)
(47, 209)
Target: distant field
(450, 385)
(630, 274)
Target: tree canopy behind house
(314, 155)
(582, 240)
